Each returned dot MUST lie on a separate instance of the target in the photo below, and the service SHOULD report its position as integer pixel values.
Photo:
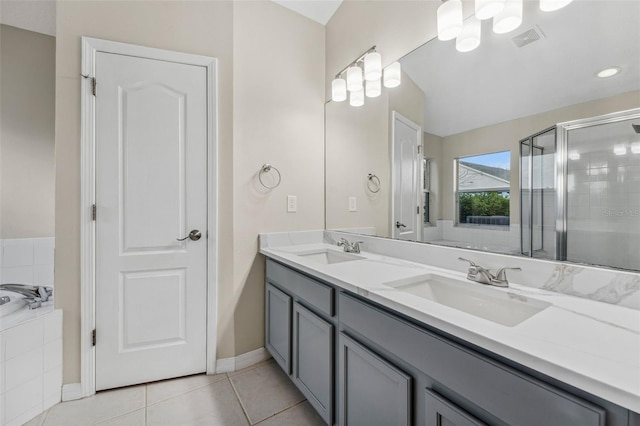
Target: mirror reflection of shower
(580, 191)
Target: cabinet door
(372, 391)
(313, 360)
(441, 412)
(278, 326)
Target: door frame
(91, 46)
(395, 115)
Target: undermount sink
(502, 307)
(327, 256)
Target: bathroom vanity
(389, 354)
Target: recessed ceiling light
(608, 72)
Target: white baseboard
(244, 360)
(71, 391)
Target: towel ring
(266, 168)
(373, 183)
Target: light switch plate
(292, 203)
(353, 204)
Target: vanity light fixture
(509, 18)
(354, 78)
(608, 72)
(373, 88)
(551, 5)
(393, 75)
(635, 147)
(574, 155)
(356, 98)
(469, 38)
(364, 76)
(486, 9)
(338, 89)
(372, 66)
(619, 150)
(449, 17)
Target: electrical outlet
(353, 204)
(292, 203)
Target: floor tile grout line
(280, 412)
(186, 392)
(235, 391)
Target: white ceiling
(32, 15)
(499, 82)
(318, 10)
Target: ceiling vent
(531, 35)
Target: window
(482, 189)
(426, 185)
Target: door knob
(193, 236)
(400, 225)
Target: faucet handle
(356, 246)
(471, 263)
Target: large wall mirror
(517, 147)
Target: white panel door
(151, 189)
(407, 138)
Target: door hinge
(94, 212)
(93, 85)
(417, 209)
(93, 337)
(419, 146)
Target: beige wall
(271, 89)
(278, 119)
(27, 71)
(506, 136)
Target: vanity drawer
(510, 395)
(313, 292)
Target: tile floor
(258, 395)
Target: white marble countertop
(591, 345)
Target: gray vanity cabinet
(278, 326)
(300, 333)
(313, 359)
(372, 391)
(441, 412)
(360, 363)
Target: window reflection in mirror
(483, 189)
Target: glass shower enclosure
(580, 191)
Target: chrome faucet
(484, 276)
(350, 247)
(34, 294)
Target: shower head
(636, 127)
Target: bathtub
(30, 359)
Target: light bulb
(393, 75)
(449, 16)
(509, 18)
(619, 150)
(338, 90)
(469, 38)
(551, 5)
(356, 98)
(635, 147)
(372, 66)
(354, 78)
(486, 9)
(574, 155)
(373, 88)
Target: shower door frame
(562, 166)
(530, 187)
